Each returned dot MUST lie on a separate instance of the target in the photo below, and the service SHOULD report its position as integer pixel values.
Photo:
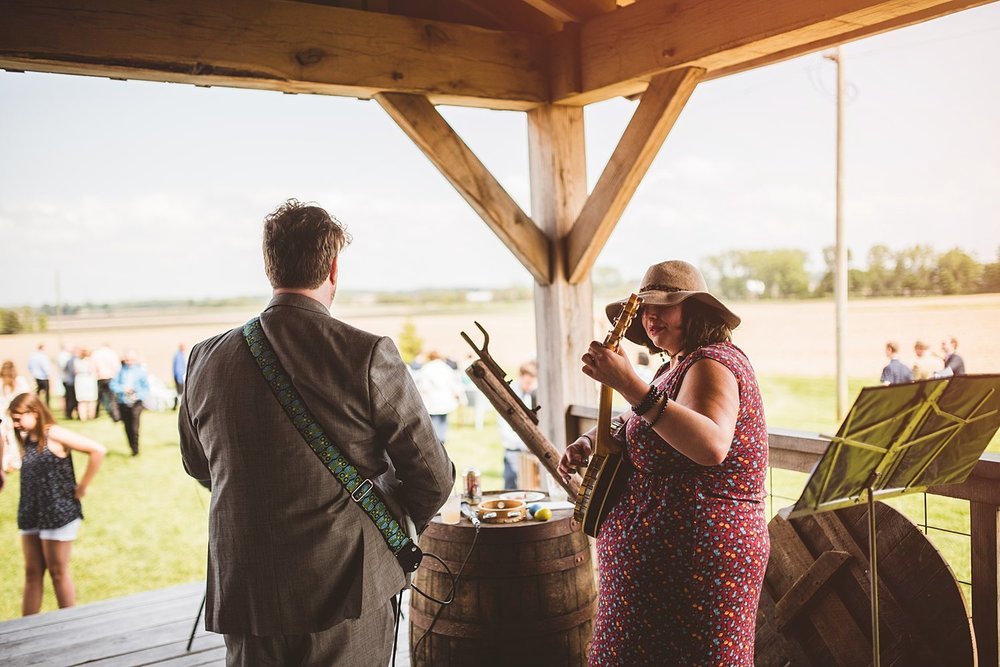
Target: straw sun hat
(667, 284)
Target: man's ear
(333, 271)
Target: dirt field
(781, 338)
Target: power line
(883, 50)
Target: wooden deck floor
(149, 628)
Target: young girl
(49, 514)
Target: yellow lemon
(543, 514)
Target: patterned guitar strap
(362, 491)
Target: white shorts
(65, 533)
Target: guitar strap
(362, 491)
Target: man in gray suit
(297, 572)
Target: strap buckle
(356, 498)
(409, 557)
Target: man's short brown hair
(300, 243)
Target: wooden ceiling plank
(510, 15)
(572, 11)
(656, 114)
(900, 22)
(288, 46)
(622, 49)
(441, 144)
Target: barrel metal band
(360, 489)
(523, 628)
(513, 569)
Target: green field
(146, 520)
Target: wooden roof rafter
(618, 52)
(425, 126)
(655, 116)
(313, 47)
(572, 11)
(293, 47)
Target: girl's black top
(48, 490)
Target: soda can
(473, 492)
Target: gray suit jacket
(289, 552)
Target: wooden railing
(798, 451)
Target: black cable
(397, 612)
(451, 595)
(454, 578)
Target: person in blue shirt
(953, 364)
(895, 371)
(40, 368)
(131, 387)
(180, 371)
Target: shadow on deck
(150, 628)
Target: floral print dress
(683, 553)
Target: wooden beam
(510, 15)
(292, 47)
(934, 12)
(620, 51)
(807, 586)
(453, 158)
(564, 313)
(660, 106)
(572, 11)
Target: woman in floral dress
(683, 552)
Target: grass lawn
(146, 520)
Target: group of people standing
(303, 567)
(93, 380)
(85, 376)
(926, 363)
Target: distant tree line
(22, 320)
(120, 307)
(914, 271)
(736, 274)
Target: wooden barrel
(526, 597)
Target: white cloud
(133, 190)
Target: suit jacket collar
(297, 301)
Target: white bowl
(526, 496)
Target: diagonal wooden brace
(807, 586)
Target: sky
(129, 190)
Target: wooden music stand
(897, 440)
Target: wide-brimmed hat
(667, 284)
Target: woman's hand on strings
(576, 456)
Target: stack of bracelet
(648, 401)
(651, 398)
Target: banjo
(606, 472)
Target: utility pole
(58, 319)
(840, 262)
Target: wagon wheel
(815, 605)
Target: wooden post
(984, 519)
(564, 320)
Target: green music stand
(902, 439)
